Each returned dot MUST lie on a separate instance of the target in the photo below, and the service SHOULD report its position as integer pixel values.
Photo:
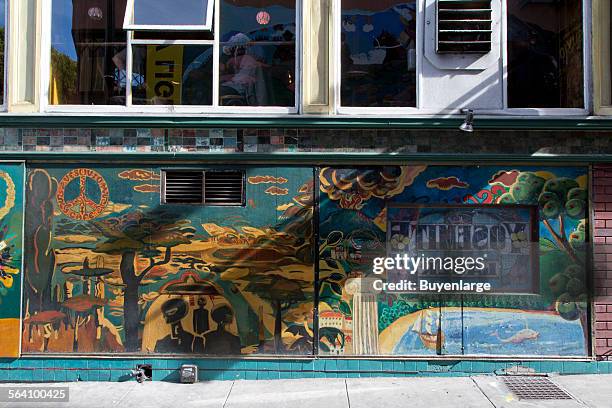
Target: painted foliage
(112, 270)
(11, 226)
(356, 208)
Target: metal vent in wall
(224, 187)
(208, 187)
(464, 26)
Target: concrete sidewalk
(429, 392)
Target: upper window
(378, 53)
(169, 15)
(445, 55)
(2, 46)
(545, 54)
(154, 52)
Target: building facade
(228, 183)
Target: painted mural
(355, 211)
(112, 270)
(11, 226)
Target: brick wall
(602, 202)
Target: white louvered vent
(464, 26)
(205, 187)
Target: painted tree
(39, 268)
(283, 293)
(140, 234)
(558, 198)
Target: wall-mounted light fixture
(468, 123)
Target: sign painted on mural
(461, 248)
(11, 225)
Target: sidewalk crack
(482, 392)
(118, 403)
(348, 399)
(228, 393)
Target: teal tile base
(31, 369)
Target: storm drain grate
(534, 388)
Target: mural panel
(11, 227)
(112, 270)
(358, 204)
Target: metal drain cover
(534, 388)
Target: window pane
(545, 67)
(87, 53)
(174, 12)
(257, 53)
(378, 47)
(2, 26)
(172, 75)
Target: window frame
(128, 21)
(4, 105)
(602, 65)
(173, 110)
(339, 109)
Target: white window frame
(602, 87)
(172, 110)
(419, 111)
(4, 105)
(128, 20)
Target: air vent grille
(464, 26)
(208, 187)
(183, 187)
(224, 188)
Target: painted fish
(518, 337)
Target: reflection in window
(172, 74)
(545, 68)
(257, 53)
(2, 26)
(87, 52)
(378, 41)
(168, 13)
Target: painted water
(497, 332)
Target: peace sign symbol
(82, 207)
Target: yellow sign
(164, 72)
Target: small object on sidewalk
(143, 372)
(189, 373)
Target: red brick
(600, 257)
(602, 266)
(609, 342)
(608, 206)
(603, 232)
(604, 334)
(603, 215)
(601, 223)
(599, 308)
(603, 181)
(609, 308)
(601, 326)
(600, 206)
(602, 198)
(601, 342)
(604, 317)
